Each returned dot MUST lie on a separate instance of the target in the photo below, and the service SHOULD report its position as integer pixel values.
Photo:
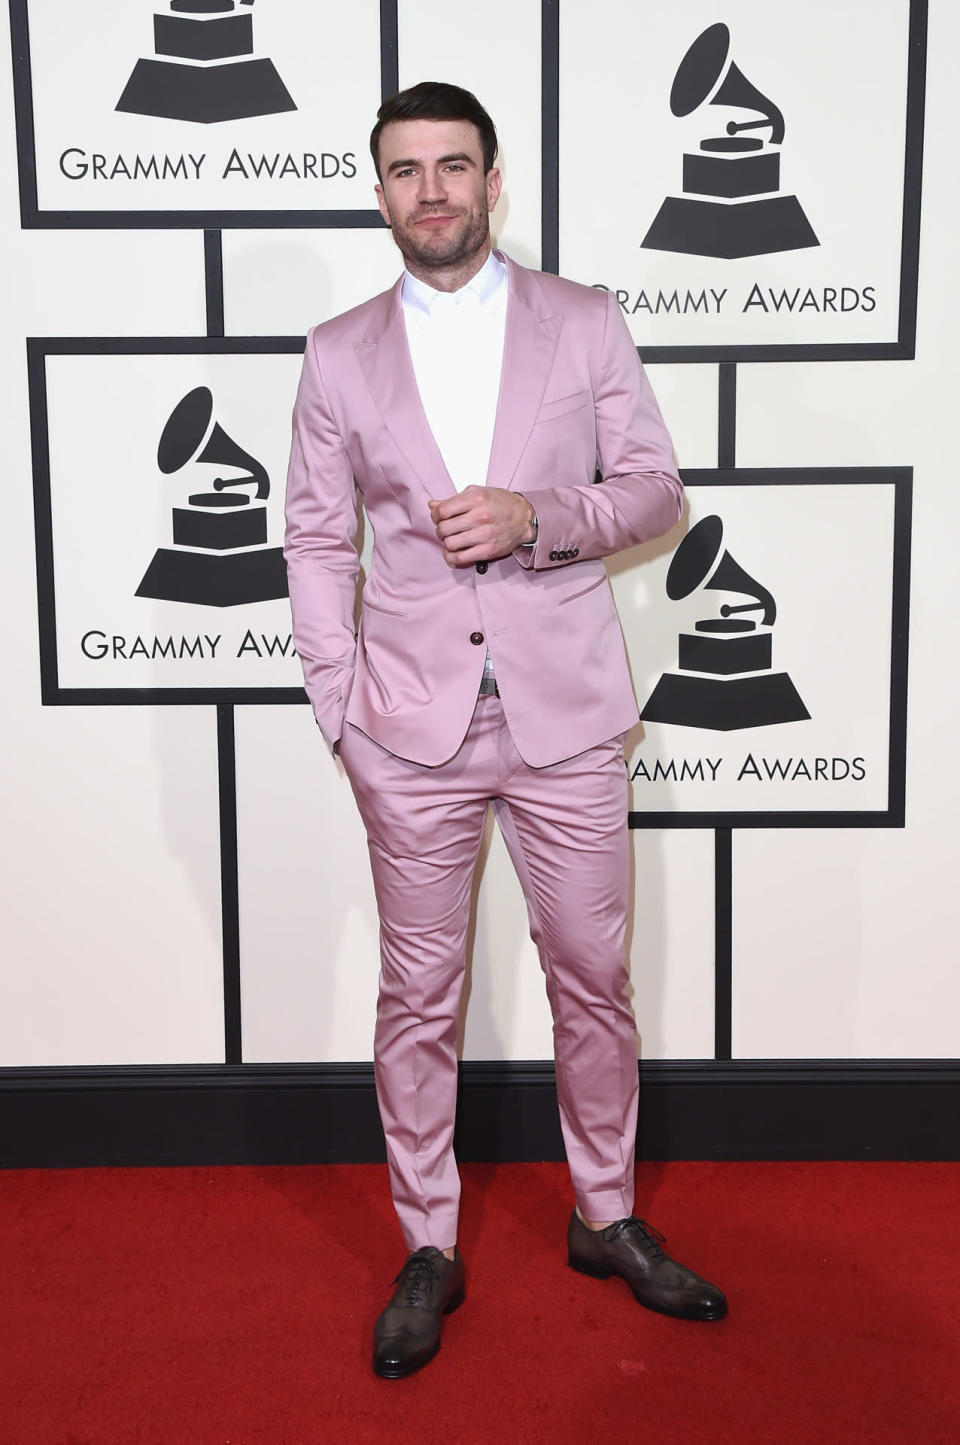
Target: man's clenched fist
(482, 523)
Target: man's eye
(455, 167)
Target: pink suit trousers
(565, 828)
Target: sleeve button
(554, 557)
(575, 552)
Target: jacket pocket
(583, 591)
(575, 401)
(376, 607)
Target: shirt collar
(485, 287)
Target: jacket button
(575, 552)
(554, 557)
(481, 568)
(563, 556)
(476, 638)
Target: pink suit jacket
(574, 401)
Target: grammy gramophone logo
(731, 204)
(204, 68)
(219, 556)
(725, 678)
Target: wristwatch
(535, 524)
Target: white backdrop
(844, 940)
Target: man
(472, 406)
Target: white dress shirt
(456, 343)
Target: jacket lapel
(530, 344)
(384, 358)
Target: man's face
(434, 195)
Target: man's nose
(431, 188)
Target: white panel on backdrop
(847, 413)
(158, 583)
(279, 283)
(138, 108)
(111, 876)
(495, 52)
(308, 920)
(92, 284)
(687, 397)
(671, 942)
(760, 635)
(738, 182)
(845, 948)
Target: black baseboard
(326, 1114)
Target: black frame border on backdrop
(903, 348)
(32, 218)
(901, 479)
(38, 349)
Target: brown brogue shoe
(630, 1248)
(407, 1334)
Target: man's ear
(494, 187)
(382, 203)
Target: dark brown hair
(433, 100)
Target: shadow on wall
(646, 918)
(183, 776)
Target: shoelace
(638, 1226)
(421, 1271)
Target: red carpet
(234, 1307)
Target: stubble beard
(440, 254)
